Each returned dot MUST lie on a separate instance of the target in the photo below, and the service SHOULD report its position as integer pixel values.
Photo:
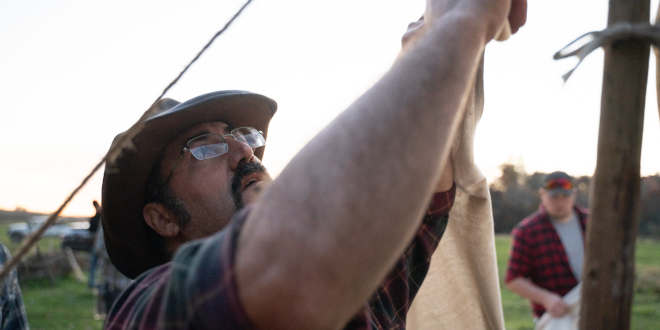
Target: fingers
(517, 14)
(558, 308)
(559, 312)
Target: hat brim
(128, 238)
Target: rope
(618, 32)
(203, 50)
(122, 142)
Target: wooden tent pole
(608, 275)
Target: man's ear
(160, 219)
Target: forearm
(338, 216)
(528, 290)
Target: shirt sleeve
(519, 256)
(196, 290)
(390, 303)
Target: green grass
(646, 303)
(517, 311)
(647, 253)
(66, 305)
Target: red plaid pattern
(538, 255)
(389, 305)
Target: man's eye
(203, 140)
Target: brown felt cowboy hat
(130, 243)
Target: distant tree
(515, 195)
(583, 191)
(512, 198)
(535, 181)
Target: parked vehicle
(78, 240)
(19, 231)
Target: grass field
(70, 304)
(66, 305)
(646, 302)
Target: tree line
(515, 196)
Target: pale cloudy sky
(75, 73)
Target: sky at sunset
(73, 74)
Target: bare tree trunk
(608, 276)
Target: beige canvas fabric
(461, 290)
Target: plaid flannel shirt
(11, 301)
(538, 255)
(198, 288)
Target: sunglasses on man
(561, 183)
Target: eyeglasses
(212, 145)
(559, 184)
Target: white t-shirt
(570, 235)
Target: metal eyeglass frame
(187, 147)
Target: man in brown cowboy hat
(322, 245)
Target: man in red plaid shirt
(547, 249)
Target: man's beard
(242, 171)
(179, 208)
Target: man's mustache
(244, 169)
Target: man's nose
(238, 151)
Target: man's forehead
(179, 141)
(173, 148)
(217, 127)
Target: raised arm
(329, 228)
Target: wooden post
(608, 275)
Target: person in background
(547, 248)
(94, 251)
(11, 300)
(111, 281)
(96, 219)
